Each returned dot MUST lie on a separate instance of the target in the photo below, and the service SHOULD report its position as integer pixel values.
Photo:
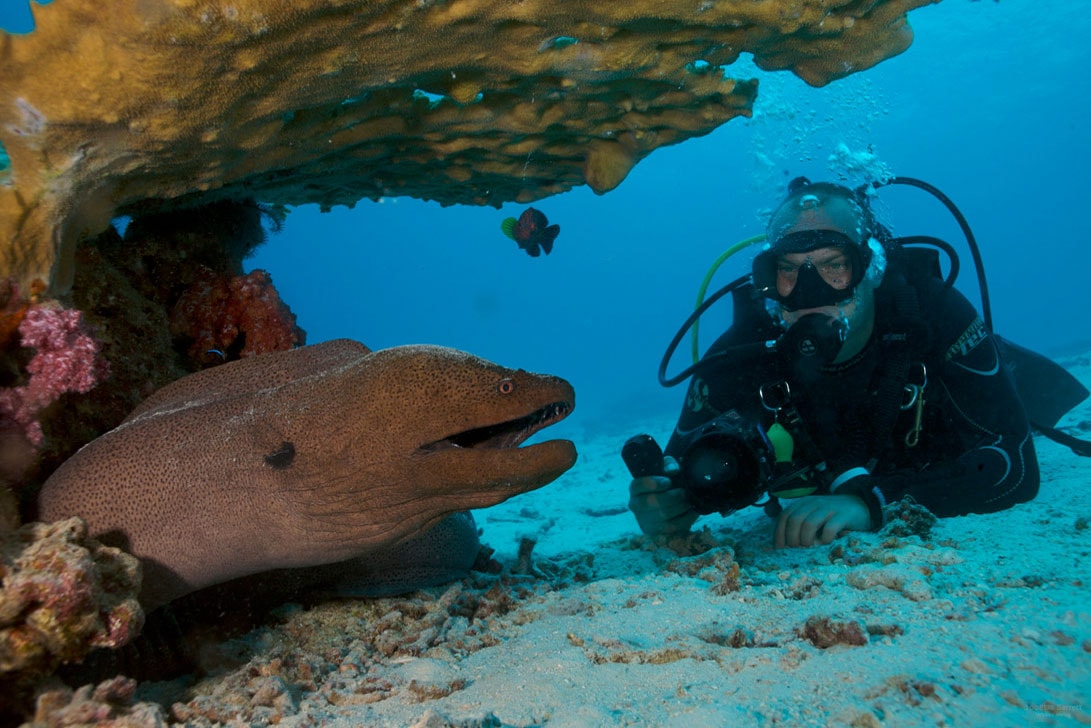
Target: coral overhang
(139, 106)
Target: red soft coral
(67, 360)
(238, 316)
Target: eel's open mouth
(505, 434)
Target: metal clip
(916, 401)
(775, 395)
(913, 437)
(912, 392)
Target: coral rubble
(63, 594)
(106, 705)
(158, 104)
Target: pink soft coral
(67, 360)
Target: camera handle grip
(643, 456)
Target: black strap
(791, 420)
(895, 363)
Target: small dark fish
(531, 231)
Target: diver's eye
(506, 386)
(787, 271)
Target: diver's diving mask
(813, 284)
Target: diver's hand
(820, 519)
(659, 507)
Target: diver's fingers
(813, 524)
(792, 520)
(661, 511)
(834, 527)
(680, 524)
(649, 484)
(850, 514)
(778, 532)
(671, 504)
(663, 504)
(787, 530)
(669, 515)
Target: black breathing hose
(986, 307)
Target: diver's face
(831, 264)
(853, 317)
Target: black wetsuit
(974, 453)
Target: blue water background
(989, 104)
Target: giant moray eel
(308, 457)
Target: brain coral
(140, 105)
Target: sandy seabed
(984, 620)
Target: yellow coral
(136, 105)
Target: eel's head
(460, 423)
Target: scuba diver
(853, 375)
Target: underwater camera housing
(726, 464)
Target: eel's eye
(506, 386)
